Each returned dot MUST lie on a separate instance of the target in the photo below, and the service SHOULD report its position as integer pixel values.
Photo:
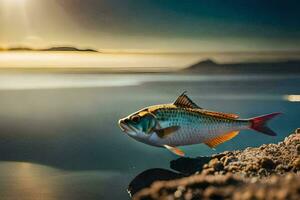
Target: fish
(183, 122)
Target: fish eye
(135, 118)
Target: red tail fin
(260, 124)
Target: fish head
(139, 125)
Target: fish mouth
(125, 127)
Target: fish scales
(195, 126)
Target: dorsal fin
(220, 114)
(212, 143)
(185, 102)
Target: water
(60, 139)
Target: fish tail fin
(260, 123)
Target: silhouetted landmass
(60, 48)
(68, 49)
(20, 49)
(210, 67)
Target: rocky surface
(259, 162)
(227, 186)
(271, 171)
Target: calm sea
(59, 136)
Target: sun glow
(13, 17)
(14, 1)
(293, 98)
(10, 3)
(12, 8)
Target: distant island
(59, 48)
(211, 67)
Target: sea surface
(59, 137)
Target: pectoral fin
(164, 132)
(212, 143)
(175, 150)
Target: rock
(229, 159)
(270, 171)
(224, 187)
(219, 156)
(267, 163)
(232, 168)
(189, 166)
(262, 172)
(298, 149)
(296, 163)
(280, 167)
(216, 164)
(208, 171)
(252, 168)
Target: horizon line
(149, 52)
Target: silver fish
(184, 123)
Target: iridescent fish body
(185, 123)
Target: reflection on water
(113, 61)
(69, 122)
(22, 180)
(57, 81)
(26, 179)
(292, 98)
(94, 60)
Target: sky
(152, 25)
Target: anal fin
(175, 150)
(212, 143)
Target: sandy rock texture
(263, 161)
(271, 171)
